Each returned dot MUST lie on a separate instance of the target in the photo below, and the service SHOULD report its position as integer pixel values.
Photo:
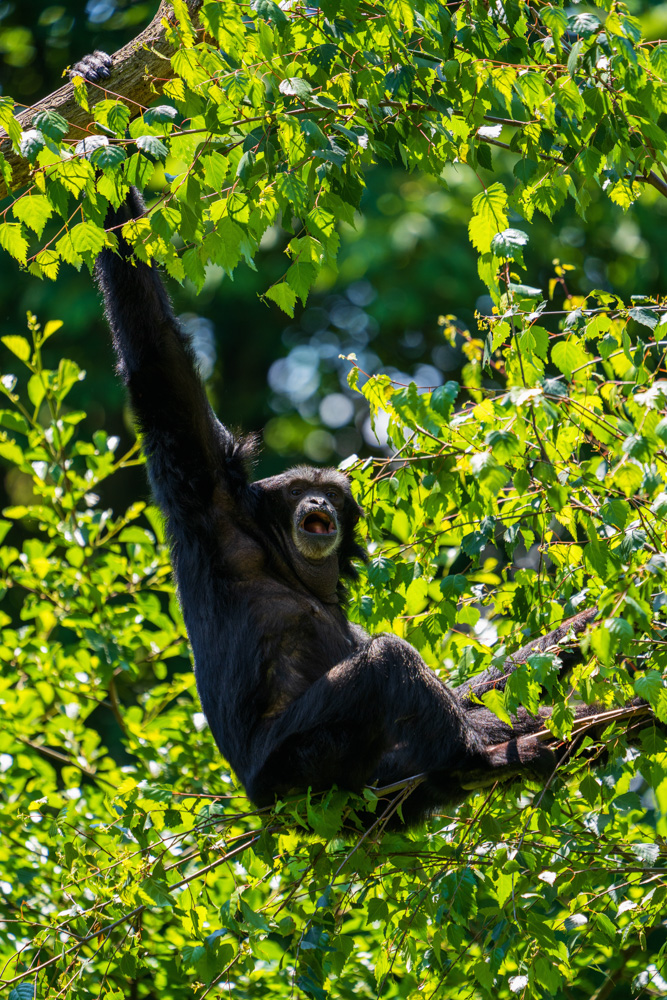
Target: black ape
(294, 693)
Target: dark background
(407, 262)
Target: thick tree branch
(139, 69)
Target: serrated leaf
(88, 239)
(216, 168)
(108, 157)
(649, 686)
(380, 570)
(525, 291)
(246, 164)
(645, 316)
(301, 277)
(31, 143)
(295, 86)
(269, 11)
(490, 216)
(495, 702)
(194, 267)
(444, 397)
(568, 355)
(50, 123)
(323, 55)
(12, 239)
(157, 891)
(34, 210)
(24, 991)
(399, 80)
(648, 854)
(283, 296)
(87, 146)
(8, 120)
(504, 244)
(161, 113)
(152, 146)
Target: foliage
(282, 116)
(126, 865)
(130, 862)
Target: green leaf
(568, 355)
(32, 142)
(8, 120)
(295, 86)
(246, 165)
(108, 157)
(24, 991)
(380, 570)
(495, 701)
(34, 210)
(157, 891)
(323, 55)
(194, 267)
(490, 216)
(399, 80)
(88, 239)
(12, 240)
(152, 146)
(18, 346)
(506, 243)
(283, 296)
(648, 854)
(51, 124)
(89, 145)
(649, 686)
(301, 276)
(525, 291)
(160, 113)
(444, 397)
(269, 11)
(645, 316)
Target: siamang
(295, 694)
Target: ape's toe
(94, 68)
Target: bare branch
(139, 70)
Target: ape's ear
(357, 511)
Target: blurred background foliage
(404, 268)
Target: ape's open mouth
(318, 523)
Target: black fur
(294, 693)
(94, 67)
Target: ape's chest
(301, 639)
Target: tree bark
(139, 70)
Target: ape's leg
(381, 715)
(339, 728)
(501, 754)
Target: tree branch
(139, 69)
(656, 182)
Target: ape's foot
(94, 68)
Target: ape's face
(317, 516)
(314, 513)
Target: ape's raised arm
(189, 451)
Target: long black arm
(190, 453)
(569, 654)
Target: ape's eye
(332, 495)
(296, 492)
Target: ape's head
(316, 515)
